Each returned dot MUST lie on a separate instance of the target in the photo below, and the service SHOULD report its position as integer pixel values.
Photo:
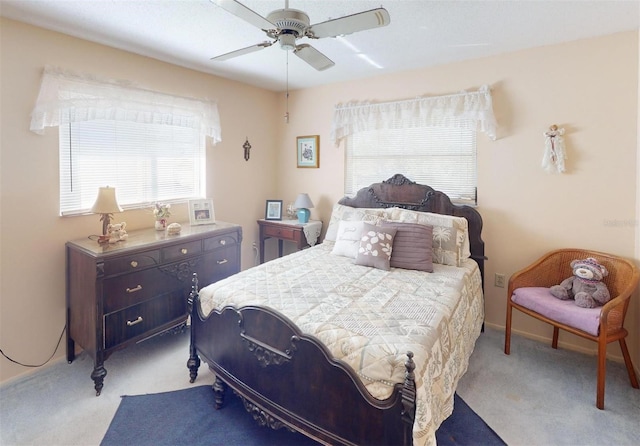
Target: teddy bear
(116, 232)
(585, 286)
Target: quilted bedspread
(369, 318)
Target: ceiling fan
(288, 25)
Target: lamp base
(303, 215)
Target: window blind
(443, 158)
(146, 163)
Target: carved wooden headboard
(399, 191)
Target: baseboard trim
(561, 344)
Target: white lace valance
(67, 97)
(468, 110)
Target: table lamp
(106, 205)
(303, 203)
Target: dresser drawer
(143, 318)
(220, 241)
(130, 289)
(225, 262)
(180, 251)
(280, 232)
(132, 262)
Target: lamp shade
(303, 203)
(106, 201)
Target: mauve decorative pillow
(376, 246)
(412, 246)
(450, 234)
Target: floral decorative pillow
(348, 239)
(376, 246)
(450, 234)
(341, 212)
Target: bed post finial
(409, 398)
(194, 360)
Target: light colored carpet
(535, 396)
(541, 396)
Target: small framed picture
(308, 151)
(201, 212)
(273, 210)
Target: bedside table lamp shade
(106, 205)
(303, 203)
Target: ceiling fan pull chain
(286, 115)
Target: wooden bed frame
(270, 364)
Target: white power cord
(256, 260)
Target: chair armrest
(545, 272)
(613, 313)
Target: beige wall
(32, 291)
(589, 87)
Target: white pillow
(341, 212)
(348, 239)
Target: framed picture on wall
(273, 210)
(201, 212)
(308, 151)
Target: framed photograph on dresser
(201, 212)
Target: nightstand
(302, 234)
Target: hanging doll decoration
(554, 154)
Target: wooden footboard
(289, 379)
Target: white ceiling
(422, 32)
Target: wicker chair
(606, 322)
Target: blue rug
(188, 416)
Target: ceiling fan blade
(240, 52)
(313, 57)
(241, 11)
(361, 21)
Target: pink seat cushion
(541, 301)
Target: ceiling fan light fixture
(287, 42)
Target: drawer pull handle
(134, 264)
(222, 262)
(223, 242)
(132, 323)
(184, 250)
(133, 290)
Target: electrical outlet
(499, 280)
(254, 245)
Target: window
(431, 140)
(144, 162)
(149, 145)
(443, 158)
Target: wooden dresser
(122, 293)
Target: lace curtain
(68, 97)
(468, 110)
